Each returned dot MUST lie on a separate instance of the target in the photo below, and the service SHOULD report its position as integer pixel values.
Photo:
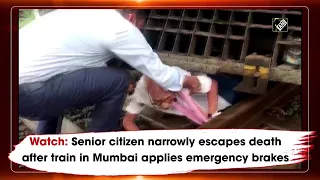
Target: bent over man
(62, 65)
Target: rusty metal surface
(286, 125)
(251, 113)
(159, 120)
(223, 34)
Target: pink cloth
(188, 107)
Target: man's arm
(133, 109)
(213, 98)
(210, 87)
(131, 46)
(129, 122)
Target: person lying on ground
(149, 93)
(62, 65)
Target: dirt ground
(23, 131)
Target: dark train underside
(222, 34)
(212, 41)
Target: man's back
(66, 40)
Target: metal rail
(250, 113)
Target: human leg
(105, 87)
(107, 113)
(50, 126)
(31, 101)
(100, 86)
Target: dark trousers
(46, 102)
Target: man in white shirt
(147, 91)
(62, 65)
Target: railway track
(263, 111)
(267, 111)
(255, 112)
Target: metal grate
(222, 34)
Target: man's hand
(192, 83)
(128, 122)
(132, 18)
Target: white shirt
(66, 40)
(140, 98)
